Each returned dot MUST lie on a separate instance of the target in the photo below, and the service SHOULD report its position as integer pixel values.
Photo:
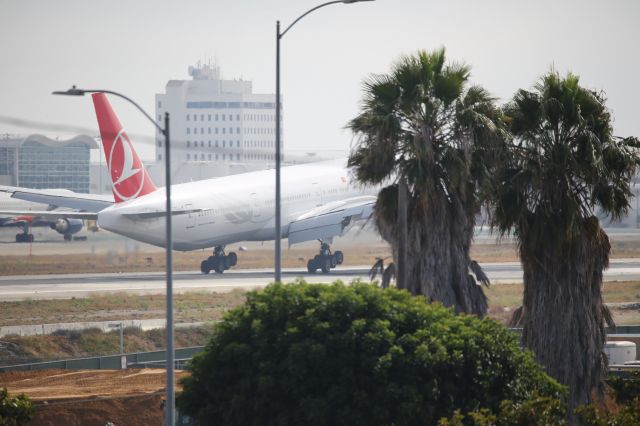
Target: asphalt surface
(83, 285)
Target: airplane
(65, 226)
(318, 202)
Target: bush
(14, 411)
(357, 355)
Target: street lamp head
(71, 92)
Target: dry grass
(188, 307)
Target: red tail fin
(129, 177)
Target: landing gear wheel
(312, 266)
(24, 238)
(233, 259)
(325, 266)
(220, 266)
(67, 237)
(204, 267)
(339, 257)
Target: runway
(83, 285)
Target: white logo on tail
(128, 169)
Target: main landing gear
(24, 237)
(325, 260)
(219, 262)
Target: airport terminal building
(216, 121)
(38, 162)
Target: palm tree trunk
(563, 321)
(437, 261)
(401, 271)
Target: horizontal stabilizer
(60, 198)
(51, 214)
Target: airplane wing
(51, 214)
(60, 198)
(330, 220)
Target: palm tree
(564, 166)
(421, 127)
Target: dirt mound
(92, 397)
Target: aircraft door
(255, 207)
(191, 217)
(317, 193)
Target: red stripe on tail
(129, 177)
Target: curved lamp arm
(74, 91)
(314, 9)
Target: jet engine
(68, 226)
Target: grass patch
(93, 342)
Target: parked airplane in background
(318, 203)
(65, 226)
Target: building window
(188, 157)
(188, 130)
(187, 117)
(238, 130)
(224, 130)
(209, 144)
(159, 104)
(238, 157)
(209, 157)
(216, 130)
(202, 130)
(195, 117)
(202, 157)
(216, 118)
(159, 157)
(230, 117)
(201, 117)
(230, 130)
(216, 147)
(238, 117)
(224, 143)
(223, 117)
(209, 130)
(224, 157)
(209, 117)
(238, 144)
(188, 144)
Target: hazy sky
(134, 47)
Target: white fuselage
(232, 208)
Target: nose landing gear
(219, 262)
(325, 260)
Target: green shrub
(627, 387)
(357, 355)
(535, 411)
(14, 411)
(629, 415)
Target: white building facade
(217, 121)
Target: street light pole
(279, 35)
(170, 391)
